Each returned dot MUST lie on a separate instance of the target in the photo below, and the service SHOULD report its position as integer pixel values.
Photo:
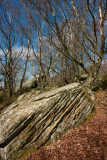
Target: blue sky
(17, 45)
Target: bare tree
(93, 33)
(8, 41)
(11, 58)
(42, 52)
(89, 18)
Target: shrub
(1, 99)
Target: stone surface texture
(42, 119)
(31, 83)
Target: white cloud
(19, 50)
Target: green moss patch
(24, 153)
(90, 116)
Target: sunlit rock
(42, 119)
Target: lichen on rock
(42, 118)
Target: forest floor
(87, 142)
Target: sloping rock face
(40, 120)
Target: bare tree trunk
(23, 76)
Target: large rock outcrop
(40, 120)
(31, 83)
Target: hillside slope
(88, 142)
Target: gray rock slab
(42, 119)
